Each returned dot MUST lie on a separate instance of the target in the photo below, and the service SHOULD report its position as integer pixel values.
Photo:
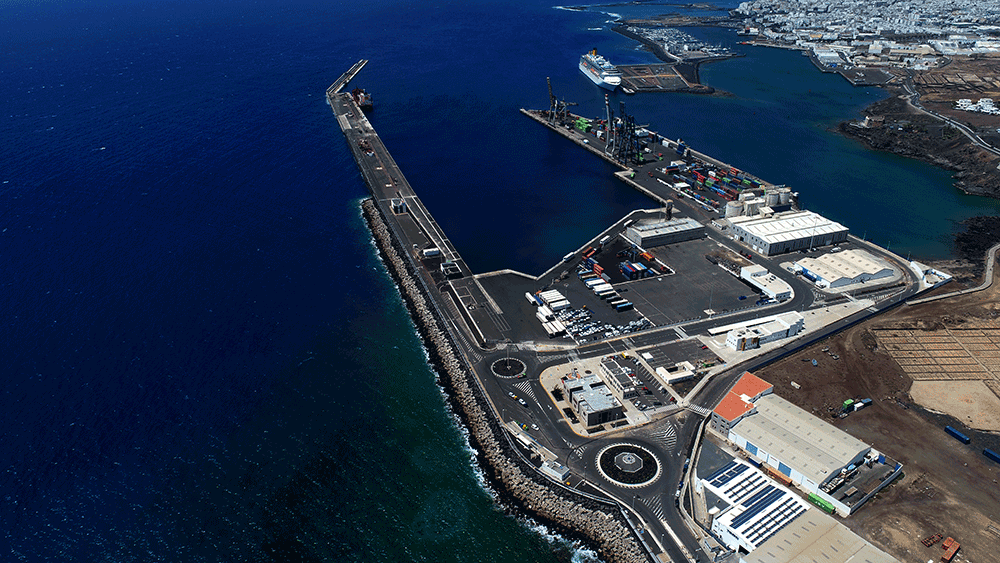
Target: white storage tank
(752, 206)
(772, 199)
(734, 209)
(785, 196)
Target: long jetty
(339, 84)
(401, 233)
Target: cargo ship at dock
(363, 99)
(598, 69)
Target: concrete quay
(339, 84)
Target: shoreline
(894, 126)
(599, 527)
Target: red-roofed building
(739, 402)
(732, 408)
(751, 386)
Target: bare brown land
(947, 487)
(964, 77)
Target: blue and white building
(757, 507)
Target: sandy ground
(947, 487)
(971, 402)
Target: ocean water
(203, 358)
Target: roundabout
(628, 465)
(508, 367)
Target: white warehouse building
(785, 232)
(843, 268)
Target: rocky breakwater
(603, 525)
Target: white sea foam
(580, 554)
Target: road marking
(665, 436)
(656, 506)
(525, 387)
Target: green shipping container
(822, 504)
(848, 403)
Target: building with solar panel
(757, 507)
(815, 537)
(837, 471)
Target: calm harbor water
(205, 361)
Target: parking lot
(652, 394)
(669, 354)
(696, 286)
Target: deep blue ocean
(203, 358)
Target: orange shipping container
(951, 550)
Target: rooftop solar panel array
(759, 495)
(757, 507)
(745, 487)
(722, 470)
(729, 475)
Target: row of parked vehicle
(580, 324)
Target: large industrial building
(838, 471)
(591, 399)
(648, 235)
(785, 232)
(814, 537)
(754, 508)
(838, 269)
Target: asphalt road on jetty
(398, 235)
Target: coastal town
(941, 60)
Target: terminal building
(591, 399)
(837, 471)
(650, 234)
(780, 326)
(785, 232)
(769, 284)
(839, 269)
(620, 377)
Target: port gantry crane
(626, 145)
(557, 108)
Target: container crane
(557, 108)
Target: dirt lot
(947, 487)
(964, 77)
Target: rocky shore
(893, 125)
(602, 525)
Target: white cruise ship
(598, 69)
